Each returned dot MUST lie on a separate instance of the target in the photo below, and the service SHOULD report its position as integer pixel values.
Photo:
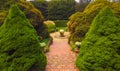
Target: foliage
(2, 16)
(116, 9)
(35, 17)
(46, 43)
(61, 23)
(60, 9)
(100, 48)
(5, 4)
(80, 21)
(33, 14)
(81, 5)
(42, 6)
(78, 26)
(19, 45)
(93, 8)
(72, 45)
(50, 25)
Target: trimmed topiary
(100, 50)
(81, 21)
(78, 26)
(94, 8)
(50, 26)
(33, 15)
(19, 45)
(2, 17)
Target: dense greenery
(34, 15)
(100, 50)
(80, 21)
(19, 45)
(80, 6)
(60, 9)
(42, 5)
(78, 26)
(2, 16)
(61, 23)
(56, 9)
(50, 26)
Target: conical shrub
(100, 50)
(19, 45)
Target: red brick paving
(60, 57)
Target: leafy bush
(2, 16)
(78, 26)
(46, 43)
(61, 23)
(100, 50)
(33, 14)
(60, 9)
(93, 8)
(35, 17)
(80, 21)
(116, 9)
(50, 25)
(19, 45)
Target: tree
(100, 50)
(19, 45)
(80, 6)
(60, 9)
(42, 5)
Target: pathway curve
(60, 57)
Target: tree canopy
(60, 9)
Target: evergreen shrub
(61, 23)
(78, 26)
(100, 50)
(33, 14)
(50, 26)
(19, 45)
(81, 21)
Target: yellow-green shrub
(78, 26)
(50, 25)
(80, 21)
(2, 16)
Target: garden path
(60, 57)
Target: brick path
(60, 57)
